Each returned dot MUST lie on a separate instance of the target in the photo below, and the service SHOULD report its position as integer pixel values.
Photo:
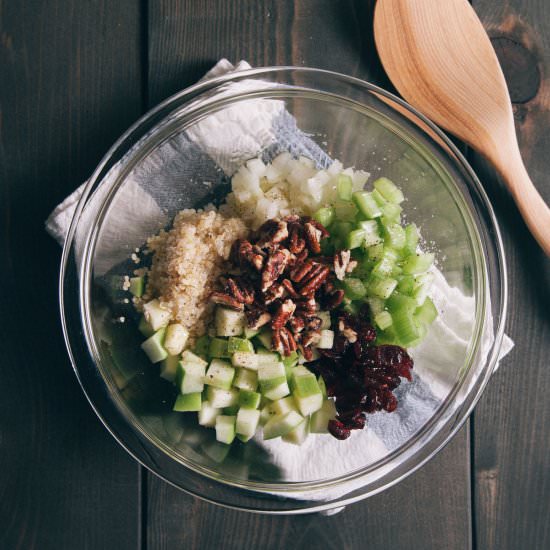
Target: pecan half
(296, 324)
(296, 241)
(287, 283)
(307, 307)
(274, 267)
(341, 261)
(283, 314)
(302, 270)
(243, 252)
(240, 290)
(272, 232)
(313, 237)
(334, 299)
(283, 341)
(226, 300)
(315, 281)
(274, 292)
(320, 227)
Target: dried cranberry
(338, 430)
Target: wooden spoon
(439, 57)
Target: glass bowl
(181, 155)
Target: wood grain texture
(70, 85)
(512, 421)
(431, 509)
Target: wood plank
(70, 85)
(512, 421)
(431, 508)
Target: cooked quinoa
(187, 261)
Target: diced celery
(380, 200)
(384, 267)
(394, 236)
(355, 239)
(406, 284)
(422, 287)
(354, 289)
(389, 190)
(400, 303)
(325, 215)
(137, 286)
(382, 288)
(344, 187)
(238, 344)
(372, 236)
(366, 204)
(218, 348)
(383, 319)
(406, 327)
(391, 213)
(376, 305)
(411, 238)
(426, 313)
(351, 307)
(341, 229)
(345, 211)
(418, 263)
(376, 252)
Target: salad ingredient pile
(316, 297)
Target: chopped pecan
(283, 341)
(290, 288)
(272, 232)
(315, 281)
(226, 300)
(320, 227)
(307, 307)
(296, 241)
(313, 323)
(240, 290)
(334, 299)
(274, 267)
(307, 352)
(283, 314)
(297, 324)
(274, 292)
(243, 252)
(351, 266)
(313, 237)
(310, 337)
(341, 261)
(302, 270)
(257, 317)
(347, 330)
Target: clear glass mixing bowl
(181, 155)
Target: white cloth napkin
(233, 136)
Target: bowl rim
(209, 84)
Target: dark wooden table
(74, 74)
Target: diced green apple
(246, 359)
(272, 378)
(188, 403)
(319, 419)
(153, 347)
(189, 377)
(219, 398)
(239, 344)
(168, 367)
(208, 415)
(246, 379)
(280, 425)
(306, 391)
(299, 434)
(220, 374)
(157, 316)
(225, 429)
(175, 338)
(145, 328)
(327, 339)
(249, 399)
(190, 357)
(229, 322)
(137, 286)
(247, 421)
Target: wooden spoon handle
(534, 210)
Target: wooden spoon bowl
(439, 57)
